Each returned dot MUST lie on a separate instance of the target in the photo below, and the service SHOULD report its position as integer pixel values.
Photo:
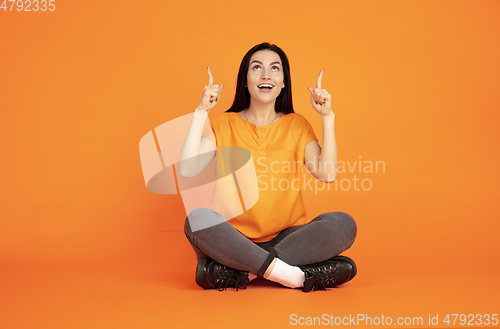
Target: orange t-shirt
(278, 154)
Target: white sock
(251, 276)
(288, 275)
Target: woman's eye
(275, 68)
(256, 67)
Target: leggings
(324, 237)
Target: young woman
(273, 239)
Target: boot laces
(323, 276)
(227, 277)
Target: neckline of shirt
(239, 115)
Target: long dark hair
(284, 101)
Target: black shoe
(330, 273)
(211, 275)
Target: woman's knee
(202, 218)
(345, 223)
(350, 225)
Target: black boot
(330, 273)
(211, 275)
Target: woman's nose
(265, 74)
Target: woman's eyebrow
(255, 61)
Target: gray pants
(325, 236)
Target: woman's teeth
(266, 87)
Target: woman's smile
(266, 87)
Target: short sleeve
(308, 132)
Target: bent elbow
(185, 172)
(330, 178)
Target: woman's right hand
(211, 94)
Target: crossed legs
(326, 236)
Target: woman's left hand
(321, 100)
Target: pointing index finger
(318, 81)
(210, 77)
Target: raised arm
(198, 152)
(322, 162)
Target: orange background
(84, 244)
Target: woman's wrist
(327, 116)
(199, 116)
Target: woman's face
(265, 76)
